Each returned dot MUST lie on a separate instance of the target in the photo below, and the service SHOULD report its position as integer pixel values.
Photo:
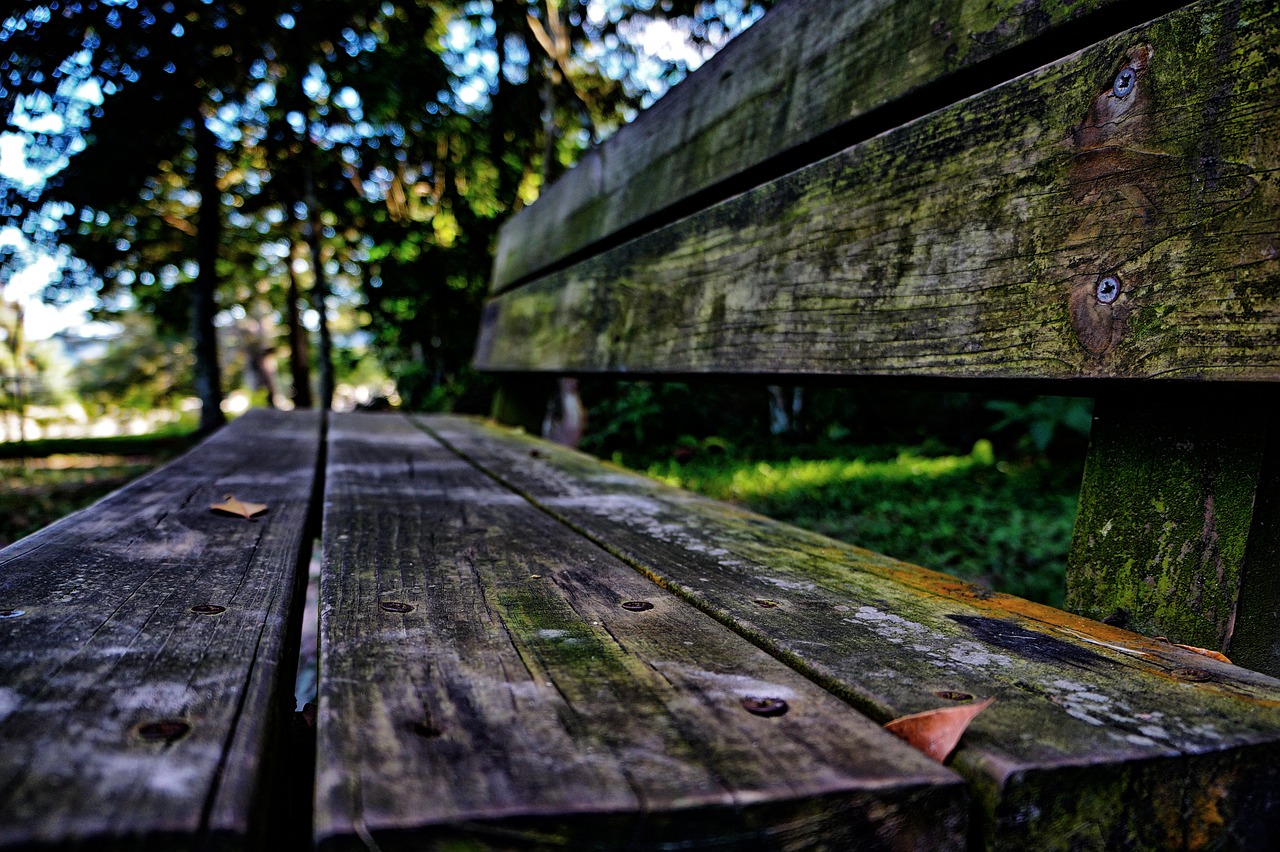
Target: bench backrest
(875, 190)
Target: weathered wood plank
(977, 240)
(808, 68)
(1099, 738)
(129, 717)
(1173, 535)
(482, 684)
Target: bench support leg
(1179, 528)
(522, 401)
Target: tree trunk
(319, 295)
(203, 303)
(299, 357)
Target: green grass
(42, 481)
(164, 442)
(1005, 524)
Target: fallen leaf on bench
(936, 732)
(1204, 652)
(234, 506)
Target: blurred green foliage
(41, 481)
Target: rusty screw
(208, 609)
(1124, 82)
(1108, 289)
(764, 603)
(636, 606)
(764, 706)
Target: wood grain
(1098, 739)
(808, 68)
(483, 684)
(128, 719)
(972, 243)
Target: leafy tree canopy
(364, 150)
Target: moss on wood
(972, 242)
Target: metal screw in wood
(163, 729)
(396, 606)
(765, 706)
(1124, 82)
(1108, 289)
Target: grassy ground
(1003, 523)
(55, 478)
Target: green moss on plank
(1166, 511)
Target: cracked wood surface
(1099, 738)
(972, 242)
(483, 683)
(128, 719)
(801, 72)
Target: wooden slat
(973, 242)
(481, 683)
(1098, 738)
(808, 68)
(128, 720)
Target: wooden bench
(523, 647)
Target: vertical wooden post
(521, 401)
(1178, 533)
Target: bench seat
(148, 650)
(521, 646)
(490, 675)
(1098, 738)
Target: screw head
(765, 706)
(12, 613)
(166, 730)
(953, 695)
(1108, 289)
(636, 606)
(765, 603)
(1124, 82)
(396, 606)
(208, 609)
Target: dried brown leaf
(937, 732)
(1204, 652)
(234, 506)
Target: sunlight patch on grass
(1003, 523)
(755, 481)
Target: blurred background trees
(258, 175)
